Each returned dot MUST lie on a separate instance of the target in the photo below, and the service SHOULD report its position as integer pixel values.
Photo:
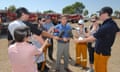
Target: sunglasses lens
(101, 13)
(43, 20)
(93, 21)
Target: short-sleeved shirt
(20, 24)
(21, 57)
(105, 37)
(81, 33)
(93, 31)
(92, 44)
(66, 29)
(41, 57)
(48, 26)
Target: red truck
(74, 17)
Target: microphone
(70, 33)
(61, 34)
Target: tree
(85, 13)
(117, 13)
(94, 14)
(12, 8)
(49, 11)
(68, 10)
(77, 7)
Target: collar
(105, 22)
(48, 23)
(63, 25)
(19, 20)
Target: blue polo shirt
(105, 37)
(67, 28)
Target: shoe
(46, 67)
(85, 68)
(57, 70)
(46, 70)
(77, 64)
(70, 58)
(67, 69)
(90, 70)
(52, 59)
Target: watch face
(49, 41)
(80, 38)
(77, 28)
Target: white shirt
(14, 25)
(81, 33)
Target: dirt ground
(113, 64)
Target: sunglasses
(93, 21)
(43, 20)
(101, 13)
(80, 24)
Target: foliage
(77, 7)
(12, 8)
(49, 11)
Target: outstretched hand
(56, 38)
(65, 39)
(76, 40)
(46, 42)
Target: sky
(57, 5)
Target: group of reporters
(97, 38)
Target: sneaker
(52, 59)
(90, 70)
(57, 70)
(77, 64)
(46, 67)
(85, 68)
(67, 69)
(70, 58)
(45, 70)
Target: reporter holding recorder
(22, 54)
(93, 28)
(22, 21)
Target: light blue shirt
(67, 28)
(48, 26)
(41, 57)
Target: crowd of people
(29, 43)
